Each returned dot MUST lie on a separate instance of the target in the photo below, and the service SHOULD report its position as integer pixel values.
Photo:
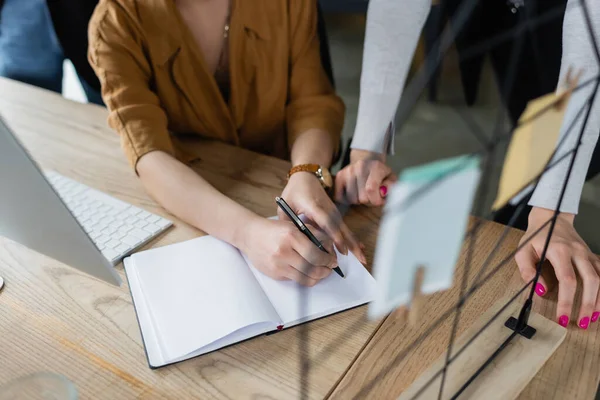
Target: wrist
(541, 215)
(318, 172)
(358, 155)
(245, 230)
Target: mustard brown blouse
(156, 84)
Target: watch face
(326, 177)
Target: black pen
(303, 228)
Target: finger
(353, 243)
(324, 239)
(596, 313)
(386, 184)
(329, 221)
(297, 276)
(311, 253)
(391, 179)
(527, 261)
(375, 182)
(361, 172)
(351, 193)
(341, 181)
(591, 284)
(567, 283)
(281, 215)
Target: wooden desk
(56, 319)
(383, 372)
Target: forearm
(189, 197)
(393, 30)
(578, 54)
(314, 146)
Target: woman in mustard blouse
(244, 72)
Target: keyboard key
(108, 231)
(95, 235)
(116, 224)
(122, 249)
(140, 224)
(152, 218)
(152, 228)
(113, 212)
(163, 223)
(131, 240)
(134, 211)
(102, 239)
(111, 244)
(131, 220)
(137, 232)
(144, 214)
(125, 229)
(110, 254)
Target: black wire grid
(411, 95)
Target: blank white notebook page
(183, 284)
(330, 295)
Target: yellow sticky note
(532, 145)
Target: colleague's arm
(275, 247)
(568, 252)
(315, 116)
(393, 31)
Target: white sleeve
(578, 53)
(393, 30)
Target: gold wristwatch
(322, 173)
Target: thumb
(527, 260)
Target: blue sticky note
(423, 224)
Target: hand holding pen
(303, 228)
(279, 250)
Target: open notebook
(201, 295)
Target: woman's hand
(365, 180)
(305, 195)
(567, 253)
(281, 251)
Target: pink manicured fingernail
(540, 289)
(383, 191)
(563, 321)
(595, 316)
(584, 322)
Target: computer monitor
(33, 214)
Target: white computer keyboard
(117, 228)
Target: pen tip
(338, 271)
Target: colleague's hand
(568, 254)
(365, 180)
(305, 195)
(281, 251)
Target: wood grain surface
(53, 318)
(509, 372)
(397, 355)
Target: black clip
(520, 325)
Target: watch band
(313, 168)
